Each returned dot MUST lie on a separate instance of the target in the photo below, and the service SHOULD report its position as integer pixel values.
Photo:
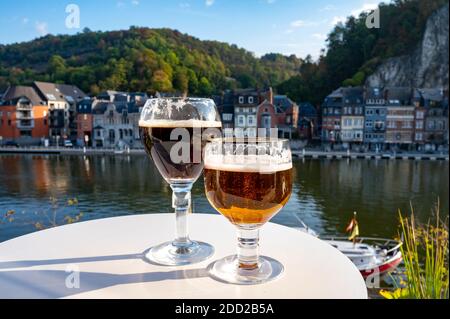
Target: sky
(297, 27)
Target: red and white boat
(370, 255)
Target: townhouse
(399, 118)
(352, 120)
(23, 116)
(375, 119)
(331, 116)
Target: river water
(43, 190)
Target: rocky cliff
(427, 66)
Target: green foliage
(425, 255)
(354, 51)
(141, 59)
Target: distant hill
(141, 59)
(403, 51)
(427, 65)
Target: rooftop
(15, 92)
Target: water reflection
(326, 192)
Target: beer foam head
(180, 112)
(179, 124)
(264, 164)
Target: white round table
(103, 259)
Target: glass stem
(248, 248)
(181, 202)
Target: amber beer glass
(174, 132)
(248, 181)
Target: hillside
(354, 52)
(141, 59)
(426, 66)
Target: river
(41, 190)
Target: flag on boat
(353, 228)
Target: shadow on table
(56, 283)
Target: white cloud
(319, 36)
(135, 2)
(365, 7)
(303, 23)
(271, 1)
(41, 28)
(184, 5)
(25, 20)
(337, 19)
(120, 4)
(209, 3)
(329, 7)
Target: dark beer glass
(249, 182)
(174, 132)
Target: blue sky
(261, 26)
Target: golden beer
(248, 197)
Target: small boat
(370, 255)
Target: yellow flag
(355, 232)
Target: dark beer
(156, 137)
(246, 196)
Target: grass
(425, 257)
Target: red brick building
(23, 116)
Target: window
(45, 122)
(288, 119)
(241, 120)
(419, 125)
(241, 100)
(85, 117)
(392, 124)
(251, 100)
(419, 136)
(407, 124)
(1, 114)
(420, 115)
(251, 120)
(9, 122)
(227, 117)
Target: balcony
(25, 124)
(24, 115)
(24, 107)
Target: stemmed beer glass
(248, 181)
(174, 132)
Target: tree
(161, 82)
(205, 88)
(181, 81)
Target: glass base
(226, 270)
(169, 255)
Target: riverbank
(309, 154)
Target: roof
(130, 107)
(85, 106)
(398, 95)
(250, 91)
(49, 92)
(71, 92)
(307, 110)
(283, 102)
(15, 92)
(374, 93)
(429, 94)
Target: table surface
(105, 257)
